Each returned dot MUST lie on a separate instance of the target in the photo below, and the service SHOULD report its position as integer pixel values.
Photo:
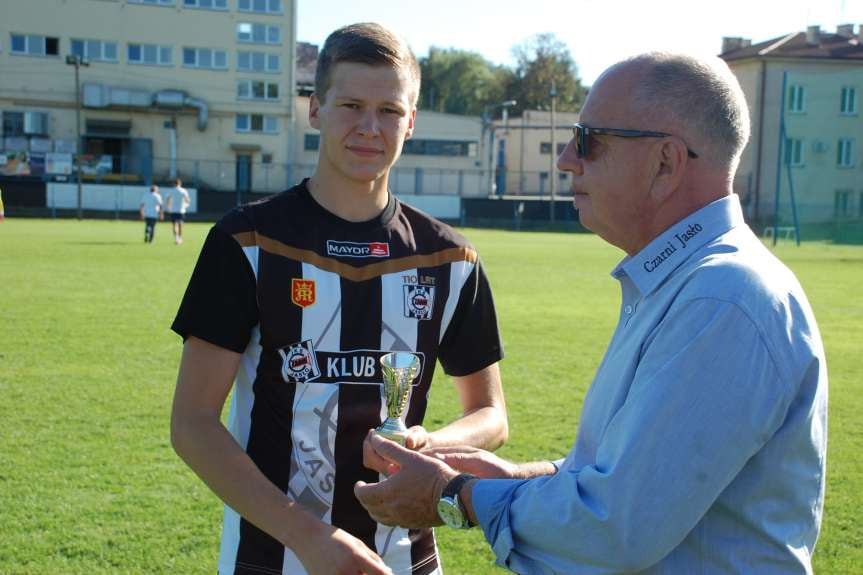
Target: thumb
(389, 449)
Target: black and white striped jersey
(312, 302)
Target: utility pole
(76, 61)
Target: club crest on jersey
(358, 250)
(419, 301)
(303, 292)
(299, 364)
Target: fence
(241, 178)
(824, 210)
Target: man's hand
(409, 496)
(332, 551)
(417, 438)
(479, 462)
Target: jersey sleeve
(220, 304)
(472, 341)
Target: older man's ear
(669, 168)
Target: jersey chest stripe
(357, 274)
(359, 410)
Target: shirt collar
(649, 267)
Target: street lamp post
(77, 61)
(551, 174)
(486, 122)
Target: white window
(845, 153)
(96, 50)
(848, 101)
(206, 4)
(258, 33)
(35, 45)
(151, 54)
(258, 62)
(257, 90)
(257, 123)
(205, 58)
(796, 98)
(153, 2)
(794, 151)
(260, 6)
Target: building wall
(528, 153)
(46, 83)
(749, 75)
(819, 127)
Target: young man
(151, 210)
(702, 441)
(176, 204)
(298, 296)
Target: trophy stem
(394, 430)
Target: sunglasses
(583, 133)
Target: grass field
(90, 485)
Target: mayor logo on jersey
(358, 250)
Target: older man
(702, 440)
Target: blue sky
(598, 32)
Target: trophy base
(394, 430)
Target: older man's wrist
(465, 497)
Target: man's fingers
(372, 496)
(463, 449)
(373, 460)
(417, 438)
(389, 449)
(369, 493)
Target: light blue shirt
(702, 440)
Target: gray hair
(701, 97)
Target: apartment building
(821, 148)
(202, 89)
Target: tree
(539, 61)
(461, 82)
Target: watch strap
(454, 486)
(451, 492)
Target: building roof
(811, 44)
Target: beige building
(823, 77)
(202, 89)
(527, 156)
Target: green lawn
(89, 483)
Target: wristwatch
(449, 507)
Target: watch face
(449, 511)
